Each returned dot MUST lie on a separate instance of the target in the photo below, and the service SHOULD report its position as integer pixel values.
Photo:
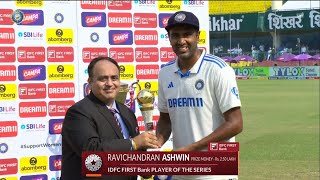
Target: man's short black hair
(100, 58)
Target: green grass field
(280, 138)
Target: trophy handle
(133, 85)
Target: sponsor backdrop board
(43, 68)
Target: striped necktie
(114, 113)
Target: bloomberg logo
(93, 19)
(120, 37)
(55, 126)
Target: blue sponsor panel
(55, 162)
(93, 19)
(32, 17)
(31, 72)
(33, 177)
(163, 19)
(55, 126)
(120, 37)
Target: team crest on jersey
(199, 84)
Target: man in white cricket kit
(198, 97)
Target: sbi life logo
(193, 2)
(144, 1)
(32, 126)
(164, 36)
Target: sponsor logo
(7, 54)
(55, 126)
(86, 89)
(126, 72)
(32, 109)
(147, 71)
(32, 17)
(33, 164)
(60, 54)
(31, 35)
(93, 162)
(31, 72)
(59, 18)
(7, 36)
(59, 36)
(145, 20)
(55, 162)
(94, 37)
(202, 38)
(146, 37)
(93, 4)
(7, 109)
(61, 72)
(8, 129)
(167, 54)
(122, 20)
(8, 166)
(93, 19)
(142, 125)
(31, 127)
(59, 108)
(119, 5)
(5, 17)
(152, 85)
(32, 91)
(163, 19)
(169, 5)
(122, 54)
(120, 37)
(17, 16)
(145, 2)
(4, 148)
(235, 92)
(90, 53)
(31, 54)
(193, 3)
(8, 73)
(8, 91)
(35, 177)
(61, 90)
(147, 54)
(29, 3)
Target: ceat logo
(145, 20)
(146, 37)
(7, 36)
(93, 19)
(90, 53)
(120, 37)
(147, 71)
(8, 73)
(55, 162)
(33, 109)
(145, 54)
(141, 123)
(5, 17)
(32, 91)
(163, 19)
(122, 54)
(167, 54)
(55, 126)
(31, 54)
(122, 20)
(34, 177)
(8, 166)
(60, 54)
(93, 4)
(119, 5)
(32, 17)
(59, 108)
(7, 54)
(61, 90)
(31, 72)
(8, 129)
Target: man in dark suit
(99, 123)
